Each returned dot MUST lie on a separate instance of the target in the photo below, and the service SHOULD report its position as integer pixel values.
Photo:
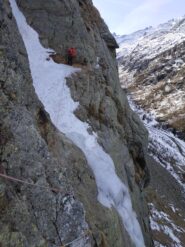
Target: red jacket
(72, 52)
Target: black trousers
(70, 60)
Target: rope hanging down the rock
(86, 234)
(30, 184)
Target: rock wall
(31, 215)
(33, 150)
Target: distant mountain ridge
(152, 39)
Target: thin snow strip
(167, 226)
(157, 244)
(166, 148)
(50, 85)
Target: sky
(127, 16)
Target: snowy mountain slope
(164, 146)
(166, 195)
(149, 42)
(133, 37)
(153, 69)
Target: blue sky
(126, 16)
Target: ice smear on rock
(50, 85)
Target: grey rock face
(33, 150)
(31, 215)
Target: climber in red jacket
(71, 54)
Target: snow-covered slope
(152, 70)
(152, 67)
(167, 216)
(147, 43)
(164, 146)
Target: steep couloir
(62, 207)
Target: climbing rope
(30, 184)
(86, 234)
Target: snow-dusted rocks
(162, 223)
(152, 68)
(167, 188)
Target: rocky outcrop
(59, 205)
(31, 215)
